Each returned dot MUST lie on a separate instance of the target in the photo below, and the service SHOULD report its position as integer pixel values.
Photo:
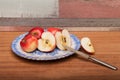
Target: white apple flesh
(47, 42)
(63, 38)
(87, 45)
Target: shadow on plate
(49, 61)
(44, 61)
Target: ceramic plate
(38, 55)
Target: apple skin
(29, 43)
(87, 45)
(37, 32)
(53, 30)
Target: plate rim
(41, 59)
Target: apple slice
(37, 32)
(29, 43)
(47, 42)
(87, 45)
(63, 38)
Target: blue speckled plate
(38, 55)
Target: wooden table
(107, 46)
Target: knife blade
(90, 58)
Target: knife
(90, 58)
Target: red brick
(89, 8)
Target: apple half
(47, 42)
(63, 38)
(87, 45)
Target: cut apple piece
(87, 45)
(63, 38)
(47, 42)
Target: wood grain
(61, 22)
(107, 46)
(27, 28)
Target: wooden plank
(61, 22)
(27, 28)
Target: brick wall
(89, 8)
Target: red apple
(37, 32)
(29, 43)
(53, 30)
